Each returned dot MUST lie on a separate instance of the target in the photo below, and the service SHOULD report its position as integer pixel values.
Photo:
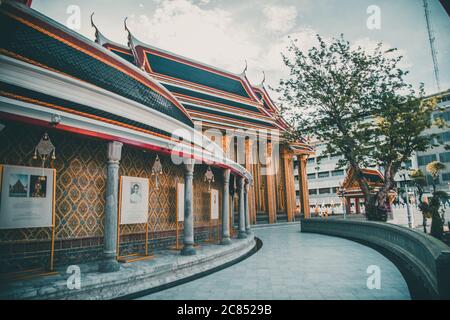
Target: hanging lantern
(156, 171)
(44, 150)
(209, 176)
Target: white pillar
(188, 231)
(242, 234)
(109, 263)
(247, 209)
(226, 208)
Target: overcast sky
(224, 33)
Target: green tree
(359, 105)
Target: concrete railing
(423, 260)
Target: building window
(408, 164)
(311, 160)
(446, 176)
(312, 191)
(324, 174)
(322, 158)
(324, 191)
(443, 137)
(444, 157)
(336, 156)
(297, 193)
(444, 115)
(430, 180)
(311, 176)
(334, 190)
(424, 160)
(337, 173)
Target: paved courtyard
(294, 265)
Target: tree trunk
(382, 196)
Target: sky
(227, 33)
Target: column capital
(246, 185)
(226, 175)
(189, 166)
(241, 182)
(114, 151)
(269, 148)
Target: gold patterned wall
(81, 183)
(80, 180)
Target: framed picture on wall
(180, 202)
(214, 204)
(133, 200)
(27, 197)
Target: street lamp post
(403, 173)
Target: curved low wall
(423, 260)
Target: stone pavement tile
(292, 265)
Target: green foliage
(434, 168)
(359, 105)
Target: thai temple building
(79, 119)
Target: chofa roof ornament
(132, 43)
(99, 38)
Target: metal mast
(432, 47)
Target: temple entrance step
(282, 217)
(262, 218)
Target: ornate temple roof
(46, 43)
(374, 178)
(210, 94)
(48, 70)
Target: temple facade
(93, 115)
(241, 118)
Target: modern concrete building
(441, 152)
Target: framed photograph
(180, 202)
(214, 204)
(27, 197)
(133, 200)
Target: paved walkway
(294, 265)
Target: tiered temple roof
(216, 97)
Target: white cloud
(280, 19)
(207, 35)
(214, 36)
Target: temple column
(271, 194)
(226, 208)
(109, 263)
(247, 209)
(348, 205)
(303, 181)
(232, 212)
(357, 209)
(242, 234)
(290, 185)
(188, 231)
(248, 165)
